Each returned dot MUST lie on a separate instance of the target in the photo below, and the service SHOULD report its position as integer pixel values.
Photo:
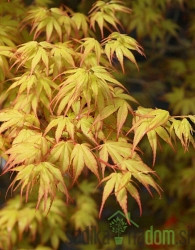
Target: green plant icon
(118, 226)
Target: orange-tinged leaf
(107, 111)
(121, 116)
(103, 154)
(118, 150)
(121, 192)
(34, 104)
(147, 120)
(147, 181)
(77, 160)
(136, 165)
(35, 60)
(80, 21)
(45, 60)
(140, 132)
(124, 180)
(90, 160)
(62, 153)
(121, 45)
(161, 117)
(52, 124)
(58, 29)
(183, 131)
(162, 132)
(70, 128)
(104, 13)
(64, 102)
(46, 175)
(49, 30)
(135, 194)
(121, 196)
(129, 55)
(91, 44)
(153, 143)
(60, 127)
(119, 55)
(56, 152)
(61, 123)
(85, 124)
(108, 189)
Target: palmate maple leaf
(81, 156)
(183, 131)
(86, 83)
(14, 120)
(150, 122)
(27, 147)
(45, 174)
(62, 123)
(33, 52)
(80, 21)
(121, 45)
(90, 44)
(17, 219)
(132, 168)
(42, 18)
(104, 14)
(60, 155)
(121, 184)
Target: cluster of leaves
(169, 74)
(65, 114)
(85, 211)
(182, 99)
(24, 226)
(17, 220)
(149, 20)
(172, 49)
